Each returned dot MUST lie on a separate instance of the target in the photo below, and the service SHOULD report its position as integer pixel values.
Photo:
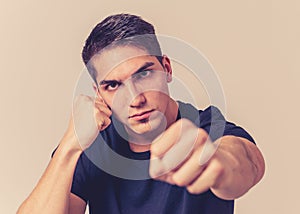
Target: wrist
(69, 144)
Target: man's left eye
(143, 74)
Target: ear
(166, 63)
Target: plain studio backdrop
(253, 45)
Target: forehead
(119, 61)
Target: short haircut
(120, 30)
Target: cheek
(107, 99)
(158, 97)
(118, 105)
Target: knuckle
(103, 123)
(202, 132)
(192, 190)
(179, 181)
(153, 172)
(155, 150)
(187, 123)
(100, 122)
(108, 121)
(202, 137)
(156, 168)
(217, 167)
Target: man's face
(134, 85)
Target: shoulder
(187, 110)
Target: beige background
(253, 45)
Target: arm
(52, 193)
(238, 164)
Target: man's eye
(143, 74)
(112, 86)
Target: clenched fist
(181, 156)
(89, 116)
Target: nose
(137, 98)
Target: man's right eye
(112, 86)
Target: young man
(174, 158)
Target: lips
(141, 116)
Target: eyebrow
(142, 68)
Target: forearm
(245, 167)
(51, 195)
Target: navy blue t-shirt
(109, 183)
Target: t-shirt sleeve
(214, 123)
(80, 184)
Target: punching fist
(182, 156)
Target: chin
(151, 128)
(141, 128)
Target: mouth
(141, 116)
